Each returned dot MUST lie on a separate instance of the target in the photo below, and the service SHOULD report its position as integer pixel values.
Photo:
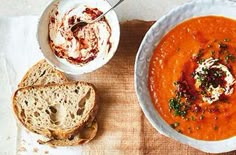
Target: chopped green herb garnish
(200, 61)
(176, 105)
(193, 118)
(203, 92)
(174, 125)
(200, 54)
(230, 57)
(201, 117)
(193, 74)
(175, 83)
(212, 52)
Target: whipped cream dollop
(214, 79)
(82, 44)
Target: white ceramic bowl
(195, 8)
(62, 64)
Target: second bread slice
(41, 74)
(57, 111)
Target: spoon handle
(98, 18)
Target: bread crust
(58, 134)
(35, 66)
(81, 138)
(85, 129)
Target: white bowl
(62, 64)
(195, 8)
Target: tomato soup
(192, 78)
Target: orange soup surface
(192, 78)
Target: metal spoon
(84, 23)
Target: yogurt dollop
(83, 44)
(214, 79)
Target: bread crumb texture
(54, 108)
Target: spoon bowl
(81, 24)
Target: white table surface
(128, 10)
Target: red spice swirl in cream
(79, 45)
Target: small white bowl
(189, 10)
(62, 64)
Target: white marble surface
(129, 9)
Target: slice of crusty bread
(57, 111)
(42, 73)
(35, 76)
(84, 136)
